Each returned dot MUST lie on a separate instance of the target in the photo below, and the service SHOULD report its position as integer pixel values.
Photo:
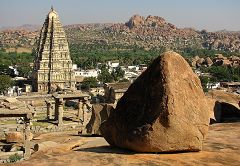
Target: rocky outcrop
(154, 21)
(194, 61)
(218, 60)
(164, 110)
(135, 20)
(100, 113)
(200, 61)
(150, 21)
(214, 108)
(208, 62)
(234, 58)
(223, 106)
(14, 137)
(223, 96)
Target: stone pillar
(56, 110)
(64, 102)
(80, 109)
(27, 143)
(84, 112)
(60, 112)
(49, 111)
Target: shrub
(14, 158)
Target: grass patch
(14, 158)
(41, 124)
(8, 122)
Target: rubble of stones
(12, 129)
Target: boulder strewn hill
(139, 32)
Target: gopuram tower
(53, 64)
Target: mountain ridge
(149, 32)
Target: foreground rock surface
(221, 147)
(164, 110)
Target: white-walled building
(87, 73)
(113, 64)
(213, 85)
(14, 91)
(15, 71)
(135, 68)
(74, 67)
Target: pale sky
(201, 14)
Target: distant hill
(26, 27)
(152, 32)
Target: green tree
(105, 76)
(24, 71)
(221, 73)
(5, 83)
(117, 74)
(204, 81)
(5, 70)
(89, 82)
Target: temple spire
(52, 8)
(53, 66)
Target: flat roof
(119, 85)
(4, 112)
(70, 96)
(231, 83)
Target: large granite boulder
(164, 110)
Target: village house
(87, 73)
(233, 86)
(114, 91)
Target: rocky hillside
(218, 60)
(152, 32)
(18, 38)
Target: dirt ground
(222, 147)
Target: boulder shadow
(52, 121)
(67, 119)
(107, 149)
(230, 113)
(116, 150)
(85, 135)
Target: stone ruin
(13, 108)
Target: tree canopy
(5, 83)
(89, 82)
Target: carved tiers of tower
(53, 64)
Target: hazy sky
(201, 14)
